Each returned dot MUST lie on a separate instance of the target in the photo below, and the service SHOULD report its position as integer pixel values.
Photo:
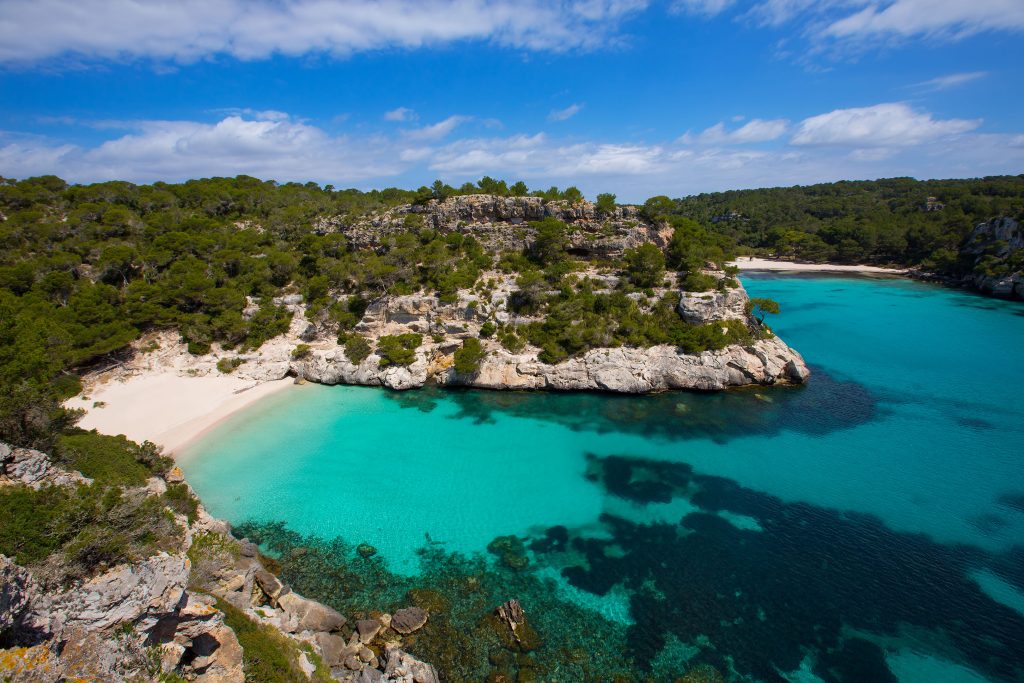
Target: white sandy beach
(167, 408)
(757, 263)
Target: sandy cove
(757, 263)
(166, 408)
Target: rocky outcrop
(32, 468)
(620, 369)
(15, 594)
(698, 308)
(502, 223)
(997, 249)
(638, 371)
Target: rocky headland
(991, 260)
(311, 349)
(166, 617)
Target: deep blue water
(867, 526)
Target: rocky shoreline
(166, 614)
(443, 326)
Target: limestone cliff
(765, 361)
(502, 223)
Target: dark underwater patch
(824, 405)
(765, 598)
(1014, 501)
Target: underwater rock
(408, 620)
(430, 600)
(511, 613)
(366, 550)
(510, 550)
(702, 673)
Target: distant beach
(757, 263)
(167, 408)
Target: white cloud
(188, 30)
(564, 114)
(755, 130)
(946, 18)
(883, 125)
(401, 114)
(438, 130)
(948, 81)
(708, 8)
(178, 150)
(846, 144)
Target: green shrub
(82, 530)
(180, 499)
(228, 365)
(645, 265)
(356, 348)
(469, 357)
(267, 655)
(487, 330)
(398, 349)
(699, 282)
(198, 348)
(109, 459)
(300, 351)
(511, 341)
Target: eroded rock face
(139, 594)
(15, 593)
(698, 308)
(33, 468)
(502, 223)
(624, 370)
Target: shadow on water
(797, 581)
(742, 582)
(822, 406)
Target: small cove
(744, 527)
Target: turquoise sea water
(813, 529)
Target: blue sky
(636, 97)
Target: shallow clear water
(781, 525)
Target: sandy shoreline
(167, 408)
(757, 263)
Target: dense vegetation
(882, 221)
(84, 270)
(65, 533)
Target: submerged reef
(741, 586)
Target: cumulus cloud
(178, 150)
(400, 114)
(883, 125)
(188, 30)
(853, 143)
(565, 114)
(755, 130)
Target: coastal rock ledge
(621, 370)
(443, 326)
